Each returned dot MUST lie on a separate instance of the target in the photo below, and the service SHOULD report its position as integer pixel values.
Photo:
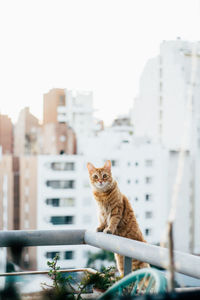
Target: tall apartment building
(161, 112)
(161, 108)
(6, 134)
(26, 134)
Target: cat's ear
(90, 167)
(108, 165)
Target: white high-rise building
(166, 84)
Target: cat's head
(101, 178)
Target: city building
(6, 134)
(58, 138)
(167, 110)
(72, 108)
(52, 102)
(26, 134)
(161, 108)
(55, 194)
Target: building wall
(183, 206)
(6, 134)
(6, 193)
(28, 192)
(161, 108)
(26, 134)
(54, 99)
(58, 137)
(28, 204)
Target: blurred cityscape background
(44, 181)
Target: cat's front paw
(107, 230)
(99, 229)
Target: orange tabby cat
(116, 215)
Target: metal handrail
(184, 263)
(88, 270)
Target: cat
(116, 215)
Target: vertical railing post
(127, 265)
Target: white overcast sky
(98, 45)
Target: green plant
(100, 280)
(67, 287)
(62, 285)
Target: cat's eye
(104, 176)
(95, 177)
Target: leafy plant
(67, 287)
(100, 280)
(61, 285)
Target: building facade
(166, 85)
(6, 134)
(26, 134)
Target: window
(69, 255)
(148, 197)
(114, 163)
(52, 254)
(26, 191)
(53, 202)
(26, 207)
(148, 214)
(160, 72)
(149, 163)
(148, 180)
(66, 202)
(62, 138)
(148, 231)
(61, 184)
(61, 100)
(61, 202)
(26, 224)
(61, 166)
(62, 220)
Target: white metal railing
(184, 263)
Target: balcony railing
(184, 263)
